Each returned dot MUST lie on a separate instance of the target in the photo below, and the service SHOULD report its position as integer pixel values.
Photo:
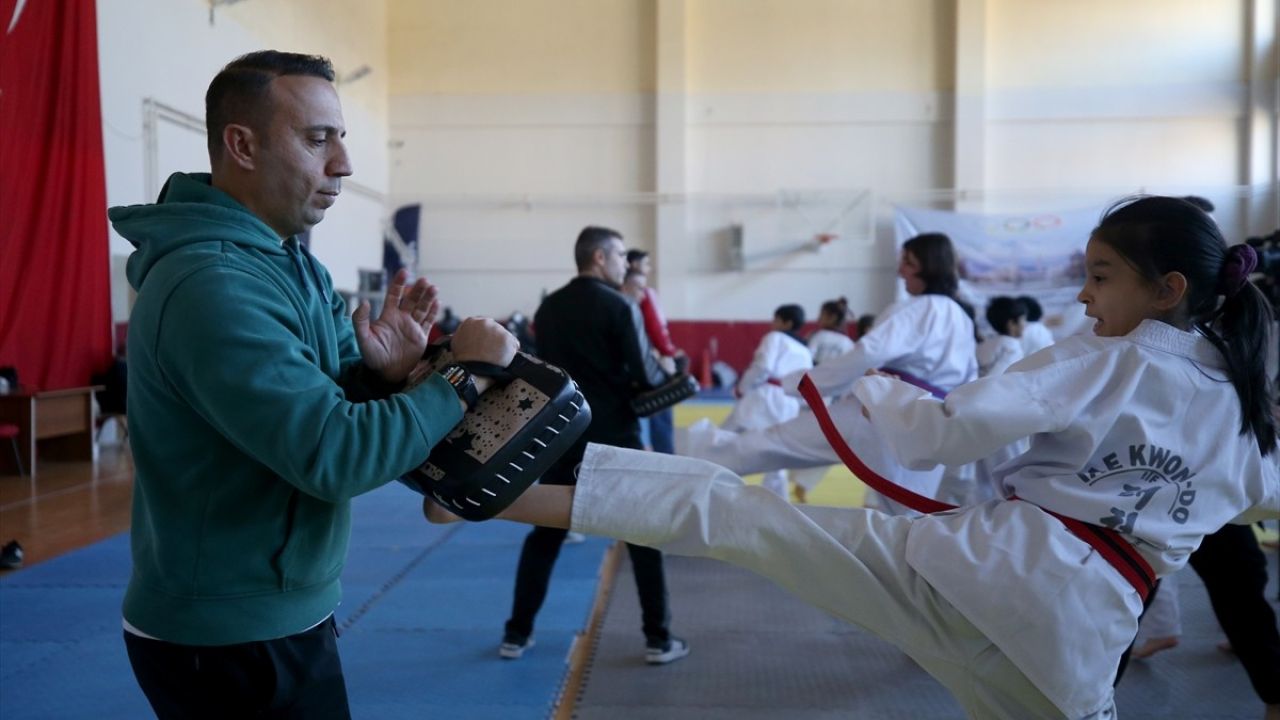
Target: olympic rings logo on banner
(1019, 225)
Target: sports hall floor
(423, 613)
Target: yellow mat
(838, 488)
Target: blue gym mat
(421, 618)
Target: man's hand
(483, 340)
(393, 344)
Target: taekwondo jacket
(927, 336)
(764, 403)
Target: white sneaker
(673, 650)
(513, 649)
(573, 538)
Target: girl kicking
(1151, 434)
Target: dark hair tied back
(1236, 267)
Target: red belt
(1116, 550)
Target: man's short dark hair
(592, 238)
(239, 93)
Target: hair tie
(1240, 261)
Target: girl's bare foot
(1153, 646)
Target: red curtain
(55, 298)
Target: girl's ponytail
(1240, 329)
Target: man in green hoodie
(257, 409)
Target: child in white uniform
(1159, 428)
(761, 399)
(1035, 336)
(1008, 317)
(829, 341)
(929, 337)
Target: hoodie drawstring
(300, 253)
(295, 254)
(311, 265)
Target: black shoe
(11, 555)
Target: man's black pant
(299, 676)
(1234, 571)
(538, 559)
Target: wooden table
(54, 424)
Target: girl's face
(909, 271)
(781, 325)
(1017, 326)
(1114, 294)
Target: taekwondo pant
(799, 443)
(849, 562)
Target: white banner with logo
(1035, 254)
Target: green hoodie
(246, 445)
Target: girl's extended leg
(849, 562)
(799, 443)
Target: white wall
(168, 51)
(517, 123)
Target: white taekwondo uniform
(997, 352)
(1035, 337)
(763, 402)
(825, 344)
(926, 336)
(1017, 616)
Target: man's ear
(1171, 290)
(240, 145)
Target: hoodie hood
(189, 211)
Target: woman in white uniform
(1158, 428)
(928, 337)
(829, 341)
(761, 399)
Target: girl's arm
(897, 334)
(981, 417)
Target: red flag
(55, 309)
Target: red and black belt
(1116, 550)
